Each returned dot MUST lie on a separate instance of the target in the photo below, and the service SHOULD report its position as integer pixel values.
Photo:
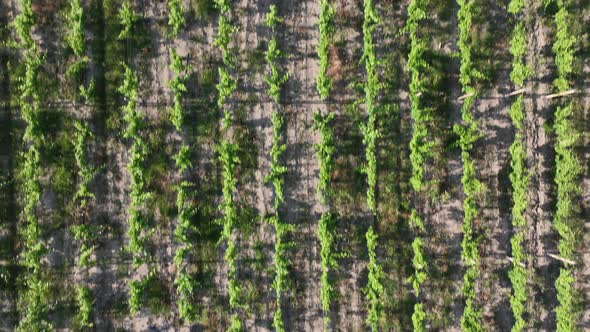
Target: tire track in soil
(113, 271)
(302, 309)
(104, 209)
(540, 157)
(442, 293)
(8, 190)
(492, 160)
(348, 306)
(151, 65)
(258, 194)
(54, 222)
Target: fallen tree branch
(561, 94)
(565, 260)
(519, 263)
(471, 94)
(517, 92)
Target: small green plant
(468, 134)
(127, 18)
(371, 89)
(276, 176)
(568, 168)
(374, 289)
(326, 27)
(85, 300)
(325, 151)
(519, 176)
(23, 23)
(175, 16)
(328, 262)
(34, 293)
(75, 28)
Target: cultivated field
(294, 165)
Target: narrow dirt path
(540, 155)
(445, 213)
(583, 278)
(8, 206)
(492, 160)
(301, 208)
(257, 246)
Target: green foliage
(275, 80)
(226, 86)
(325, 151)
(33, 303)
(84, 300)
(468, 71)
(277, 171)
(568, 166)
(86, 234)
(520, 71)
(371, 88)
(272, 17)
(281, 265)
(515, 6)
(138, 194)
(178, 86)
(519, 176)
(416, 222)
(224, 6)
(185, 285)
(418, 318)
(73, 71)
(183, 158)
(229, 160)
(419, 263)
(23, 23)
(129, 90)
(326, 27)
(228, 156)
(127, 18)
(565, 312)
(564, 48)
(468, 134)
(235, 324)
(420, 145)
(374, 289)
(135, 294)
(85, 172)
(75, 27)
(328, 262)
(175, 16)
(184, 282)
(568, 171)
(225, 31)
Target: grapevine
(519, 176)
(568, 168)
